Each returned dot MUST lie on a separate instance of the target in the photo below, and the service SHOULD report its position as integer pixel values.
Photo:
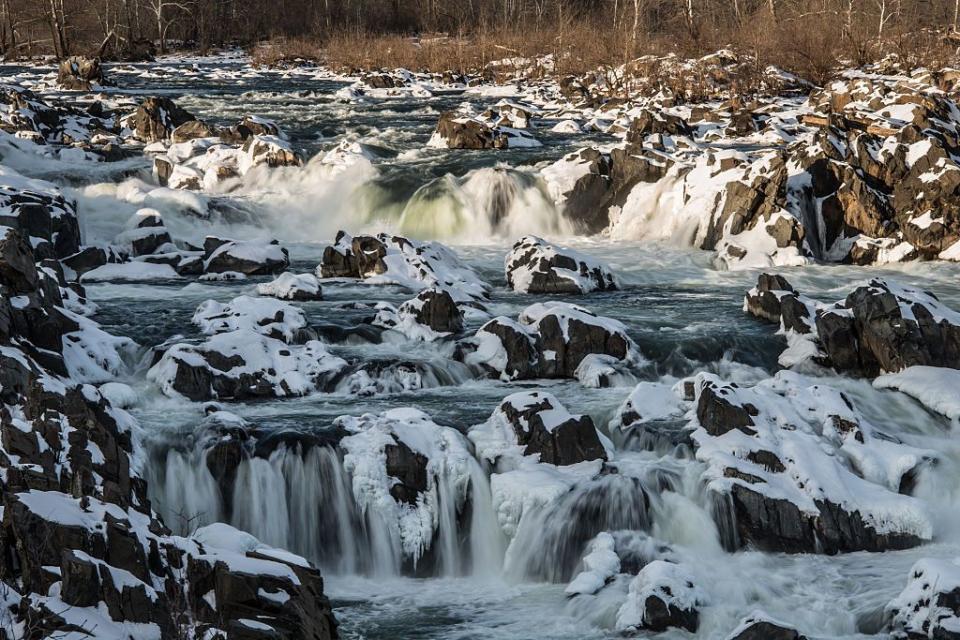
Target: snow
(130, 272)
(600, 564)
(266, 316)
(937, 388)
(288, 286)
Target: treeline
(804, 33)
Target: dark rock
(78, 73)
(192, 130)
(156, 118)
(460, 132)
(535, 266)
(571, 441)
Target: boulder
(267, 150)
(544, 428)
(191, 130)
(663, 595)
(300, 287)
(247, 257)
(929, 605)
(156, 118)
(78, 73)
(455, 131)
(758, 626)
(536, 266)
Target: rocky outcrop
(84, 552)
(536, 266)
(663, 595)
(250, 258)
(464, 131)
(758, 626)
(929, 606)
(880, 327)
(38, 210)
(300, 287)
(431, 315)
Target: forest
(806, 36)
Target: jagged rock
(544, 428)
(78, 73)
(242, 364)
(39, 211)
(649, 122)
(431, 315)
(412, 264)
(763, 301)
(458, 132)
(156, 118)
(887, 327)
(268, 150)
(536, 266)
(17, 268)
(582, 182)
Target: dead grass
(283, 51)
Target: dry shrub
(281, 51)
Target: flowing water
(685, 315)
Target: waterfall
(301, 498)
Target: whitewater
(487, 550)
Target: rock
(90, 258)
(270, 151)
(17, 269)
(244, 364)
(544, 428)
(663, 595)
(582, 182)
(148, 240)
(929, 606)
(458, 132)
(192, 130)
(431, 315)
(414, 265)
(156, 118)
(536, 266)
(657, 122)
(763, 301)
(247, 257)
(886, 327)
(755, 440)
(38, 210)
(551, 340)
(757, 626)
(78, 73)
(301, 287)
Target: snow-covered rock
(300, 287)
(536, 266)
(433, 314)
(929, 606)
(414, 265)
(534, 423)
(550, 340)
(663, 595)
(463, 131)
(273, 318)
(804, 470)
(244, 364)
(248, 257)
